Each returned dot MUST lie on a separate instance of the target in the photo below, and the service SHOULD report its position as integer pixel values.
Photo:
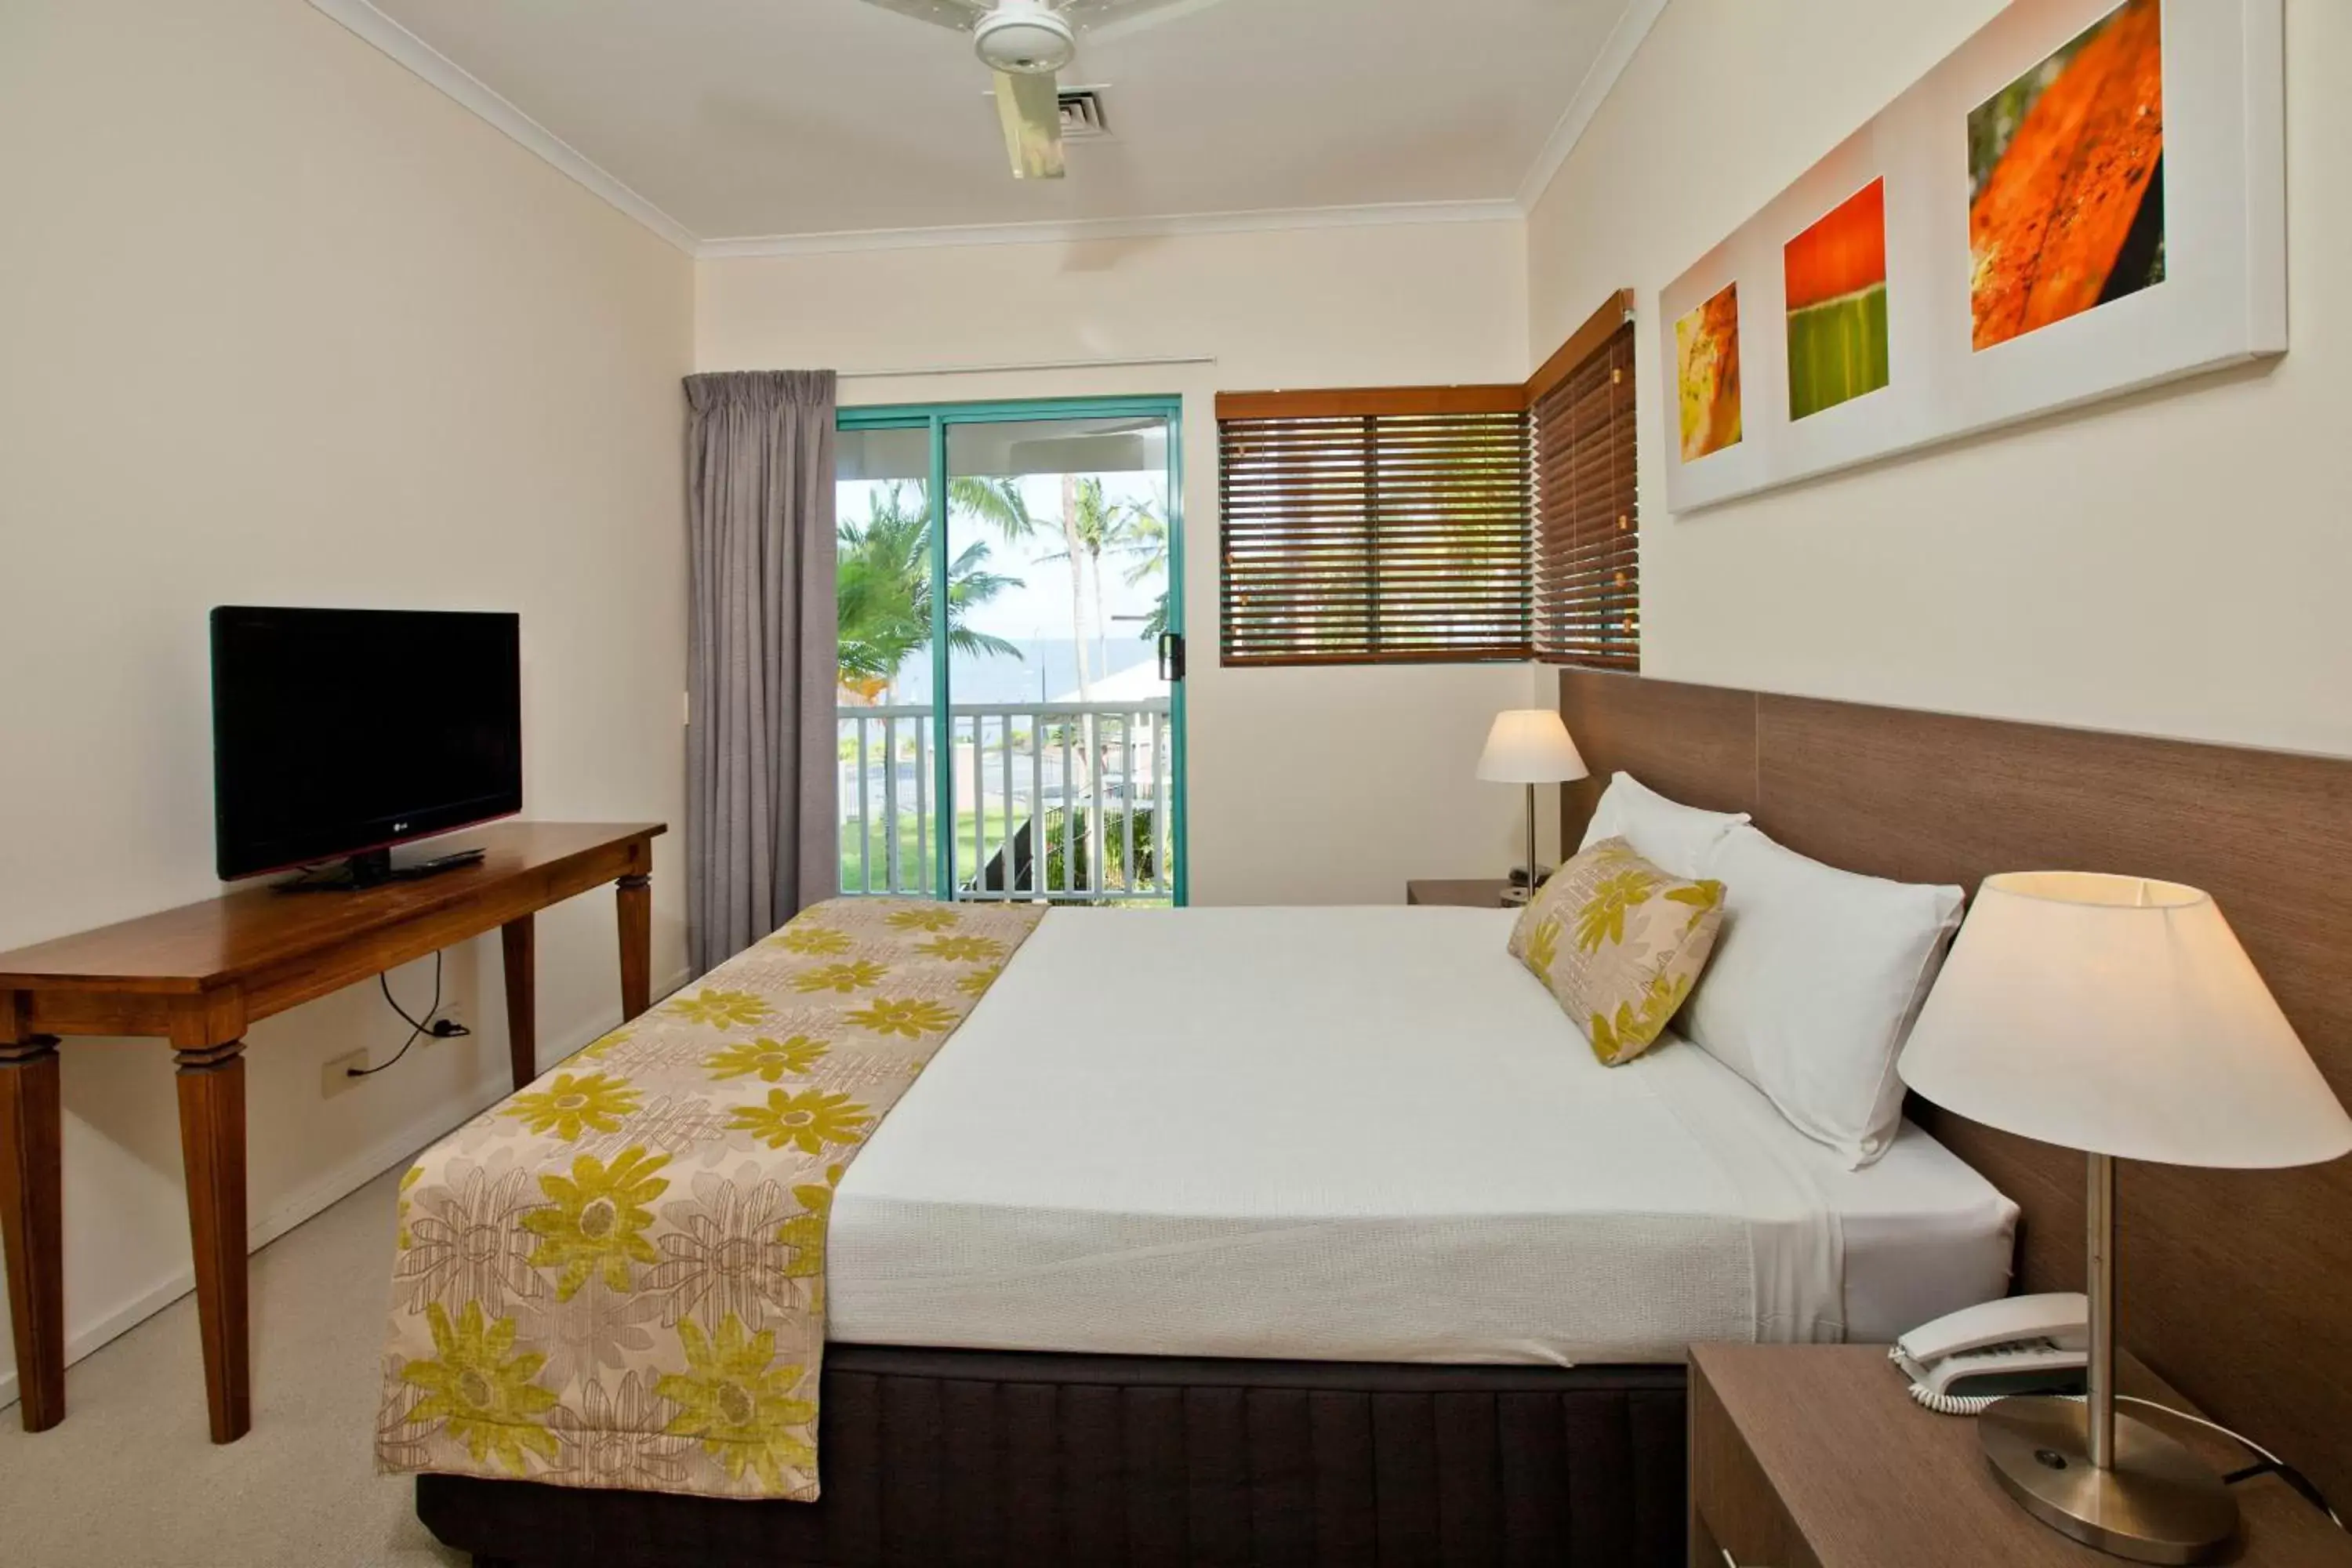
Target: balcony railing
(1069, 802)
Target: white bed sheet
(1362, 1133)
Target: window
(1375, 526)
(1441, 523)
(1587, 586)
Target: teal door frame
(935, 419)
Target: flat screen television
(343, 732)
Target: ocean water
(1046, 671)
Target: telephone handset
(2021, 1344)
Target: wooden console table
(198, 976)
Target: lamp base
(2159, 1503)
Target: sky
(1037, 613)
(1040, 607)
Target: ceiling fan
(1025, 42)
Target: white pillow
(1816, 978)
(1671, 836)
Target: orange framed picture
(2086, 198)
(2066, 180)
(1706, 372)
(1835, 278)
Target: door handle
(1171, 656)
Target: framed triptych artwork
(2086, 198)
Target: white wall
(1306, 786)
(284, 325)
(2173, 563)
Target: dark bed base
(1013, 1460)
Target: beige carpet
(129, 1479)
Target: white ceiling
(717, 120)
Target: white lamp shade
(1530, 745)
(2119, 1015)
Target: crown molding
(1080, 230)
(1633, 24)
(453, 79)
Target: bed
(1274, 1236)
(1363, 1135)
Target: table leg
(32, 1225)
(519, 939)
(212, 1144)
(635, 897)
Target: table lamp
(1529, 746)
(2119, 1016)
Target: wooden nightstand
(1468, 892)
(1814, 1457)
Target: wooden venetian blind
(1587, 586)
(1370, 526)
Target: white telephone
(2021, 1344)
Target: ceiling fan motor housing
(1024, 37)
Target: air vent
(1082, 114)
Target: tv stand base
(373, 868)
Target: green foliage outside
(883, 585)
(916, 869)
(1094, 526)
(884, 596)
(915, 866)
(1118, 875)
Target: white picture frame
(2222, 299)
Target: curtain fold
(762, 780)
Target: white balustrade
(1048, 788)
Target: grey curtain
(763, 661)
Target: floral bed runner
(617, 1278)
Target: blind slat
(1375, 537)
(1356, 537)
(1586, 582)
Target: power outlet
(337, 1074)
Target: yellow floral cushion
(1620, 943)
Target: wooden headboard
(2237, 1286)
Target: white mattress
(1362, 1133)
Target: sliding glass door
(1011, 706)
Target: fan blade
(1031, 109)
(960, 14)
(1105, 20)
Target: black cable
(2272, 1464)
(2294, 1478)
(371, 1072)
(439, 1028)
(383, 983)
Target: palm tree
(1000, 503)
(883, 593)
(997, 502)
(1092, 525)
(1147, 542)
